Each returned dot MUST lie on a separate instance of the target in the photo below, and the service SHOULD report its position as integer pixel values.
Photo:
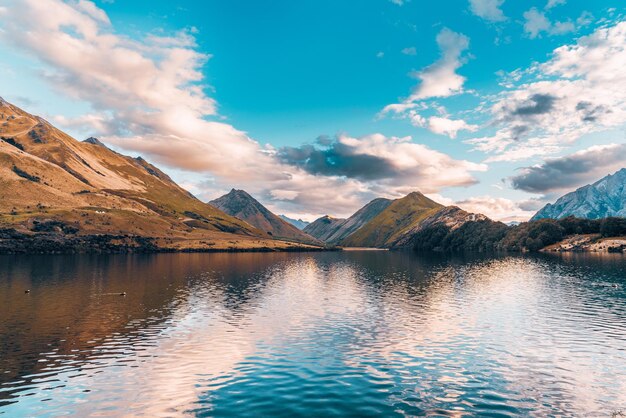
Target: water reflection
(357, 333)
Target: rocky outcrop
(450, 217)
(589, 243)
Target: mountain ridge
(333, 230)
(298, 223)
(396, 219)
(242, 205)
(601, 199)
(51, 179)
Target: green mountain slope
(397, 218)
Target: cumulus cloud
(409, 51)
(391, 162)
(571, 171)
(438, 80)
(536, 23)
(579, 90)
(448, 127)
(147, 94)
(488, 9)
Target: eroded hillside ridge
(48, 176)
(240, 204)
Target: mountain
(241, 205)
(298, 223)
(448, 219)
(337, 229)
(391, 223)
(58, 189)
(602, 199)
(323, 228)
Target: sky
(317, 107)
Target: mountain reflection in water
(356, 333)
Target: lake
(361, 333)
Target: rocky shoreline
(589, 243)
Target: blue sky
(237, 94)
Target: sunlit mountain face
(317, 108)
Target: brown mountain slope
(241, 205)
(45, 175)
(398, 217)
(323, 228)
(333, 230)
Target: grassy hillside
(46, 175)
(400, 216)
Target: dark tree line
(488, 235)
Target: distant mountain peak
(333, 230)
(415, 193)
(392, 220)
(604, 198)
(94, 141)
(240, 204)
(298, 223)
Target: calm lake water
(326, 334)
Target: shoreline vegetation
(568, 234)
(13, 241)
(545, 235)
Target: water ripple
(358, 334)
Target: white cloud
(449, 127)
(536, 23)
(409, 51)
(388, 163)
(436, 81)
(399, 2)
(92, 10)
(497, 208)
(488, 9)
(440, 79)
(553, 3)
(581, 89)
